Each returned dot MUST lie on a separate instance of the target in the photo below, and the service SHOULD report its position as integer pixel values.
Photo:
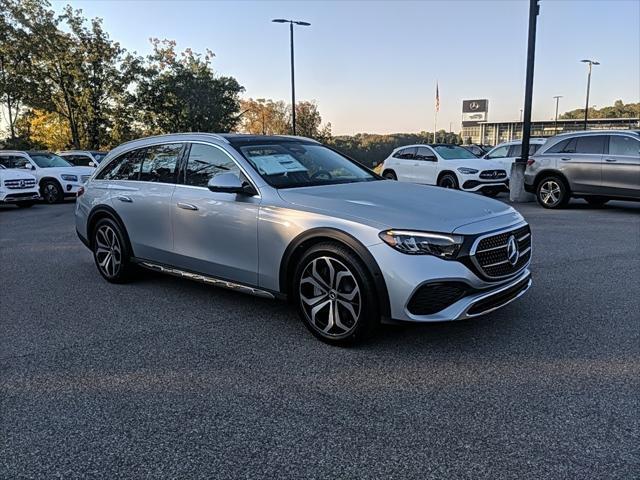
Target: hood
(15, 174)
(392, 204)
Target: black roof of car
(239, 139)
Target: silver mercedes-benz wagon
(286, 217)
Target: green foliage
(618, 110)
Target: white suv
(448, 166)
(83, 158)
(56, 177)
(18, 187)
(506, 153)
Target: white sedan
(448, 166)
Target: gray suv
(286, 217)
(595, 165)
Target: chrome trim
(474, 247)
(207, 279)
(494, 292)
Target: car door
(214, 233)
(621, 166)
(141, 184)
(501, 155)
(580, 160)
(425, 166)
(403, 163)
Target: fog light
(69, 188)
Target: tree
(264, 117)
(180, 93)
(309, 122)
(46, 129)
(618, 110)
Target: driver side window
(207, 161)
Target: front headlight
(423, 243)
(467, 171)
(69, 178)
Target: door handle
(187, 206)
(610, 160)
(565, 159)
(124, 198)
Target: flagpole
(435, 114)
(435, 126)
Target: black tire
(597, 202)
(51, 192)
(107, 238)
(24, 204)
(390, 175)
(352, 286)
(448, 180)
(552, 192)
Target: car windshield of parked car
(291, 164)
(453, 152)
(48, 160)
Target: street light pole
(586, 108)
(293, 78)
(555, 123)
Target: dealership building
(476, 128)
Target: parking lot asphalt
(167, 378)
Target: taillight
(530, 162)
(80, 191)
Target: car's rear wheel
(448, 180)
(335, 294)
(552, 193)
(390, 175)
(51, 191)
(111, 252)
(597, 201)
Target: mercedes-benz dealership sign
(474, 111)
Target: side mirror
(92, 164)
(28, 166)
(230, 183)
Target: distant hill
(618, 110)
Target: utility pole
(555, 123)
(516, 190)
(586, 108)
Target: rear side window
(406, 153)
(78, 160)
(205, 162)
(500, 152)
(593, 144)
(125, 167)
(425, 153)
(622, 145)
(159, 163)
(516, 150)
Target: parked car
(83, 158)
(596, 165)
(56, 177)
(506, 153)
(18, 187)
(448, 166)
(286, 217)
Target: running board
(206, 279)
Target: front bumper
(475, 185)
(16, 196)
(70, 189)
(404, 275)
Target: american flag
(437, 98)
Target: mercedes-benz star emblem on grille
(474, 106)
(22, 183)
(512, 250)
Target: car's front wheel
(448, 180)
(390, 175)
(552, 193)
(110, 251)
(334, 293)
(51, 191)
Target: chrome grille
(491, 253)
(493, 174)
(20, 183)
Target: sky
(372, 66)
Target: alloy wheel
(550, 192)
(50, 193)
(108, 251)
(447, 182)
(330, 297)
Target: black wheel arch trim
(105, 210)
(326, 233)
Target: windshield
(290, 164)
(453, 152)
(48, 160)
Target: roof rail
(163, 135)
